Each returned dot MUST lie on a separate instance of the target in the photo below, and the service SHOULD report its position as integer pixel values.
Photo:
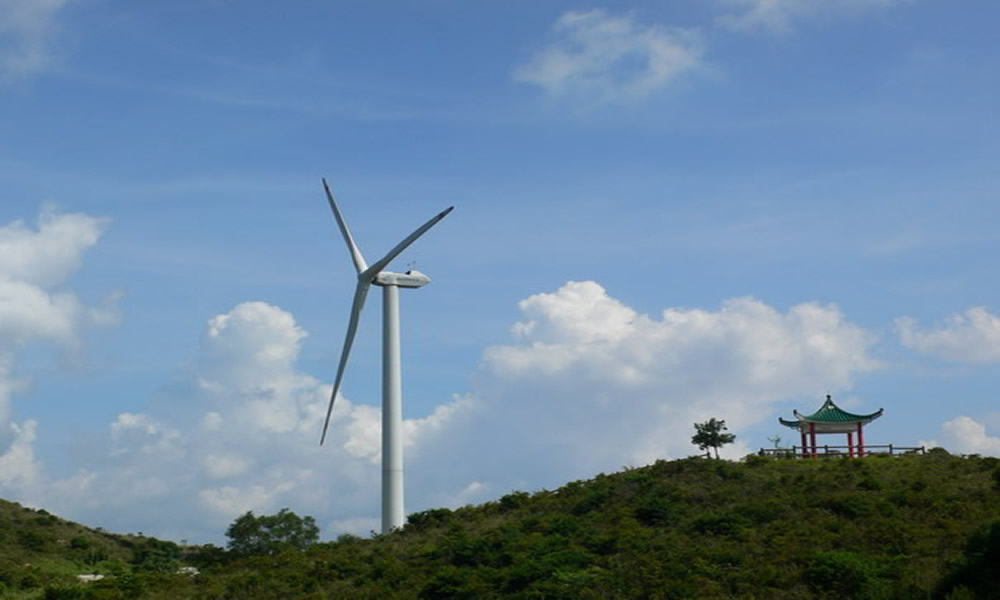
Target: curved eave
(831, 413)
(838, 415)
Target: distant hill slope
(877, 527)
(38, 550)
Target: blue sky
(665, 211)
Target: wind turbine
(392, 391)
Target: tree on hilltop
(712, 434)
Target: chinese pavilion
(831, 419)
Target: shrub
(979, 569)
(845, 574)
(592, 500)
(850, 506)
(427, 518)
(31, 541)
(79, 543)
(514, 500)
(654, 511)
(724, 524)
(66, 592)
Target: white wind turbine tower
(392, 393)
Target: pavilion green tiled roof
(830, 413)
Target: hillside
(877, 527)
(39, 550)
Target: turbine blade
(374, 270)
(356, 256)
(360, 293)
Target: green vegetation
(272, 534)
(711, 434)
(40, 552)
(909, 527)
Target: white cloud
(8, 385)
(965, 435)
(781, 15)
(223, 467)
(140, 433)
(416, 431)
(595, 57)
(212, 421)
(598, 58)
(18, 466)
(34, 264)
(469, 494)
(232, 500)
(579, 312)
(364, 433)
(581, 328)
(46, 256)
(972, 336)
(23, 477)
(364, 428)
(26, 27)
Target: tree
(271, 534)
(711, 434)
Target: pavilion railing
(830, 451)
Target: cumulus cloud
(972, 336)
(47, 255)
(582, 329)
(18, 466)
(26, 27)
(965, 435)
(781, 15)
(597, 57)
(35, 263)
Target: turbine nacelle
(409, 279)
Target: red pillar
(861, 441)
(850, 444)
(812, 436)
(805, 446)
